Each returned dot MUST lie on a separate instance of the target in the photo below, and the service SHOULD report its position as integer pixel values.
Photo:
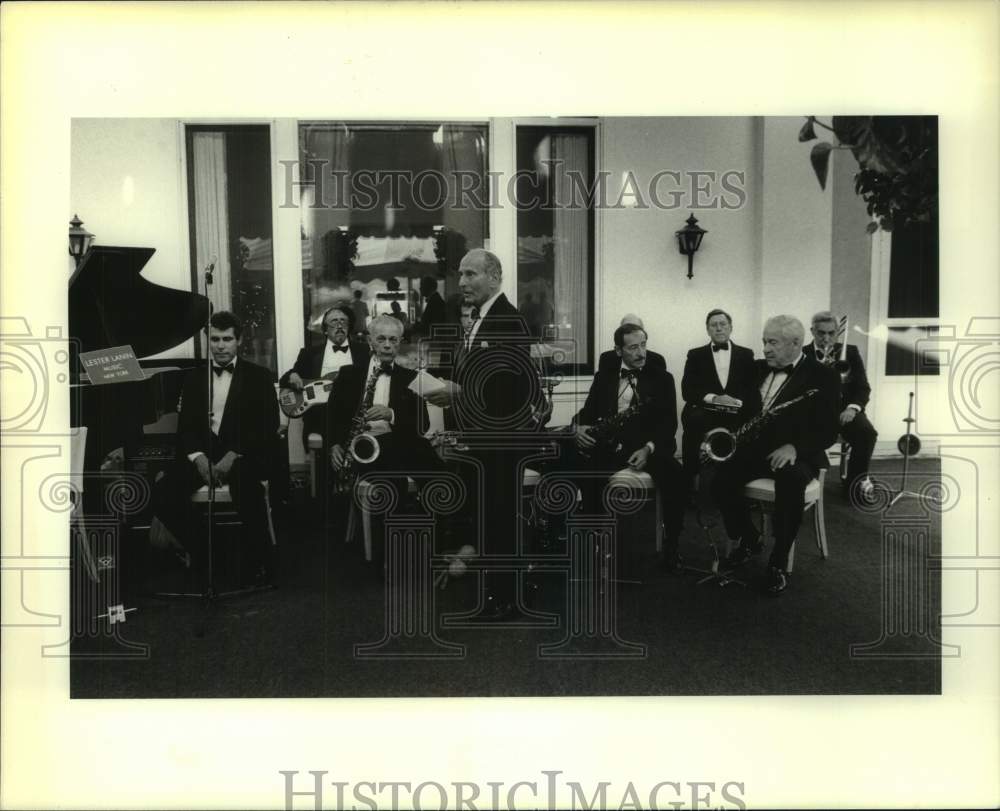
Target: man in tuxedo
(855, 393)
(493, 395)
(790, 448)
(645, 442)
(719, 373)
(610, 360)
(395, 415)
(225, 436)
(434, 312)
(319, 361)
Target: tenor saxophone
(720, 444)
(362, 446)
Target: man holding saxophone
(375, 401)
(629, 421)
(855, 392)
(796, 402)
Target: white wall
(127, 185)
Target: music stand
(909, 445)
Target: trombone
(828, 356)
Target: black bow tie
(220, 369)
(384, 368)
(475, 313)
(341, 348)
(720, 347)
(629, 373)
(786, 369)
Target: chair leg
(366, 530)
(820, 525)
(312, 474)
(352, 522)
(270, 519)
(659, 522)
(80, 530)
(791, 558)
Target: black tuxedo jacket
(855, 389)
(701, 379)
(611, 361)
(810, 425)
(497, 374)
(249, 424)
(409, 411)
(309, 363)
(657, 417)
(434, 313)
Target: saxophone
(720, 444)
(606, 430)
(362, 447)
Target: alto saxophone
(606, 430)
(362, 446)
(720, 444)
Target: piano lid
(111, 304)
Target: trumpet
(827, 355)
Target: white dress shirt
(721, 359)
(381, 397)
(220, 395)
(625, 394)
(332, 361)
(483, 310)
(772, 383)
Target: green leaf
(820, 159)
(807, 133)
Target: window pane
(229, 191)
(555, 227)
(384, 205)
(912, 350)
(913, 274)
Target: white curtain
(571, 240)
(211, 215)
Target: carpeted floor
(664, 636)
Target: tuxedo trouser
(790, 484)
(862, 436)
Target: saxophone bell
(364, 448)
(718, 445)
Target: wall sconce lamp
(80, 239)
(689, 240)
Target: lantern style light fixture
(689, 240)
(80, 239)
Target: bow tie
(629, 373)
(475, 313)
(220, 369)
(720, 347)
(384, 369)
(786, 369)
(341, 348)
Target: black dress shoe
(744, 552)
(777, 581)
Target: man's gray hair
(788, 325)
(631, 318)
(491, 264)
(823, 315)
(385, 320)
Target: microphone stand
(908, 443)
(209, 280)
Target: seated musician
(644, 442)
(789, 448)
(315, 362)
(855, 392)
(376, 398)
(227, 437)
(611, 360)
(718, 378)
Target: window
(383, 206)
(913, 299)
(555, 239)
(229, 204)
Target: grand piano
(111, 304)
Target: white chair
(762, 492)
(643, 482)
